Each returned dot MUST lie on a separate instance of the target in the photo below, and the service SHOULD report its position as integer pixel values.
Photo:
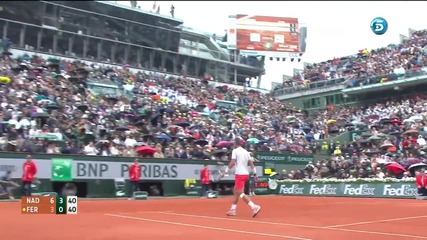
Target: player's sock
(251, 204)
(233, 207)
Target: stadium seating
(74, 107)
(364, 68)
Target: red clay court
(302, 218)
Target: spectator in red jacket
(421, 181)
(206, 179)
(29, 172)
(134, 176)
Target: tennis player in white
(240, 158)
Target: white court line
(10, 201)
(124, 213)
(418, 204)
(297, 225)
(377, 221)
(236, 220)
(347, 203)
(207, 227)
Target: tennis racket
(218, 175)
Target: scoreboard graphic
(49, 205)
(260, 34)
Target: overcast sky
(335, 29)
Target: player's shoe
(231, 213)
(256, 210)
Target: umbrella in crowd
(224, 144)
(201, 142)
(411, 131)
(144, 150)
(396, 168)
(416, 167)
(164, 137)
(253, 141)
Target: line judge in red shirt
(421, 181)
(29, 171)
(206, 179)
(134, 176)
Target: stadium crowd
(396, 128)
(367, 67)
(47, 106)
(394, 131)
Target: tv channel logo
(379, 26)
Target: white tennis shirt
(242, 158)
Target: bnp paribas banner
(389, 190)
(64, 169)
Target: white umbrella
(44, 101)
(416, 118)
(417, 165)
(385, 145)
